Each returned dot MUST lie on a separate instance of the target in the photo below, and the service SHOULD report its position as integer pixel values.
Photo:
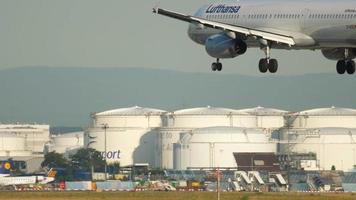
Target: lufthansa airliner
(227, 28)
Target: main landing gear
(268, 64)
(343, 66)
(216, 66)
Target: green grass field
(169, 196)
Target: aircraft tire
(219, 67)
(341, 66)
(350, 67)
(214, 67)
(273, 66)
(263, 65)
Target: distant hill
(67, 96)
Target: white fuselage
(24, 180)
(313, 24)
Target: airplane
(228, 28)
(7, 180)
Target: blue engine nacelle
(224, 46)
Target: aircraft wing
(270, 36)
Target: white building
(24, 143)
(324, 117)
(266, 118)
(175, 139)
(130, 134)
(187, 120)
(66, 143)
(327, 132)
(332, 146)
(13, 146)
(215, 146)
(36, 136)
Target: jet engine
(338, 53)
(224, 46)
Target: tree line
(85, 160)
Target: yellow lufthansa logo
(7, 166)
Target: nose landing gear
(216, 66)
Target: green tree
(85, 158)
(59, 163)
(55, 160)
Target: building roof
(264, 111)
(332, 111)
(131, 111)
(209, 111)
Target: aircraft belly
(337, 36)
(331, 37)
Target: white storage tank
(186, 120)
(267, 118)
(209, 117)
(66, 142)
(13, 146)
(325, 117)
(36, 135)
(129, 134)
(10, 142)
(214, 146)
(332, 146)
(129, 117)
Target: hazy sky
(120, 33)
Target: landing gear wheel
(214, 67)
(341, 67)
(350, 67)
(263, 65)
(273, 66)
(219, 66)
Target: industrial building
(324, 117)
(126, 135)
(208, 137)
(24, 143)
(329, 133)
(185, 121)
(214, 147)
(66, 143)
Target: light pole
(105, 126)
